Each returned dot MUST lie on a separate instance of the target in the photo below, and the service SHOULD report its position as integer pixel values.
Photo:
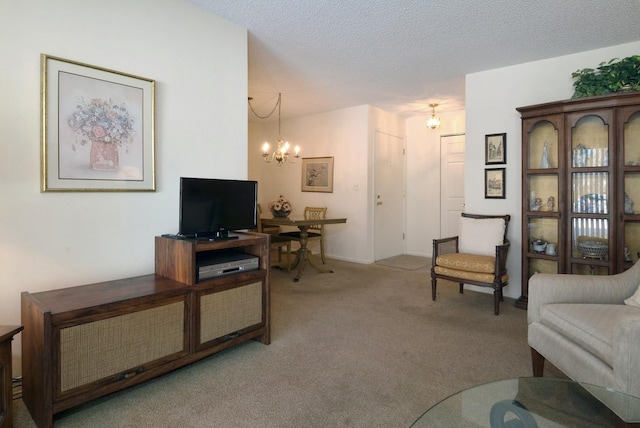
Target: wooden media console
(84, 342)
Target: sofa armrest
(626, 356)
(567, 288)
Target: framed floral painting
(97, 128)
(317, 174)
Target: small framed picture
(317, 174)
(495, 149)
(494, 183)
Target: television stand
(221, 235)
(84, 342)
(219, 238)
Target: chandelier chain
(281, 153)
(270, 113)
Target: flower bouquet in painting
(107, 125)
(280, 207)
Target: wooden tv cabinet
(81, 343)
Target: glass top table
(534, 402)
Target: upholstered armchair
(588, 326)
(478, 255)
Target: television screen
(210, 208)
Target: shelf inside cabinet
(590, 141)
(542, 153)
(590, 192)
(540, 265)
(543, 192)
(631, 132)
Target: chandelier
(434, 121)
(281, 153)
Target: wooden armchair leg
(461, 288)
(537, 362)
(433, 289)
(496, 302)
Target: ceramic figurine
(628, 204)
(550, 203)
(544, 162)
(627, 254)
(537, 205)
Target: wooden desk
(303, 225)
(6, 397)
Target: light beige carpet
(364, 346)
(406, 262)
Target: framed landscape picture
(317, 174)
(494, 183)
(97, 128)
(495, 149)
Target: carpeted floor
(362, 347)
(406, 262)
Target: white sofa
(582, 325)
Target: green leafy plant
(609, 77)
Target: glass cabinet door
(590, 181)
(541, 198)
(629, 200)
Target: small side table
(6, 399)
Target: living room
(62, 239)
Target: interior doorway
(452, 149)
(389, 195)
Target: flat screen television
(210, 207)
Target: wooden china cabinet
(580, 181)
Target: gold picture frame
(317, 174)
(98, 130)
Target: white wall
(491, 99)
(423, 179)
(347, 135)
(199, 63)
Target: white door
(451, 183)
(389, 218)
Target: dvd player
(219, 263)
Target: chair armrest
(570, 288)
(444, 246)
(501, 258)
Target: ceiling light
(281, 154)
(434, 121)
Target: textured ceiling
(401, 55)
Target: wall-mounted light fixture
(434, 121)
(281, 154)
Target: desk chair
(277, 242)
(315, 231)
(478, 255)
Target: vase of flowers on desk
(280, 207)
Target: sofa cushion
(591, 326)
(469, 276)
(481, 235)
(467, 262)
